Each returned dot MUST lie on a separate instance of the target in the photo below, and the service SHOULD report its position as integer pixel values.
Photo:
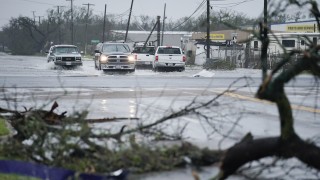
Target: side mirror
(97, 51)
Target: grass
(3, 128)
(16, 177)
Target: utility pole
(125, 39)
(208, 29)
(104, 21)
(39, 19)
(164, 17)
(59, 22)
(34, 17)
(158, 30)
(265, 42)
(71, 20)
(154, 27)
(85, 41)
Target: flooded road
(32, 82)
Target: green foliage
(71, 146)
(3, 128)
(16, 177)
(219, 64)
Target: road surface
(32, 82)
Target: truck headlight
(131, 58)
(78, 58)
(58, 58)
(103, 58)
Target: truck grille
(118, 59)
(68, 58)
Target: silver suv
(64, 55)
(114, 56)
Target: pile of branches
(57, 140)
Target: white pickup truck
(169, 57)
(144, 56)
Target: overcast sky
(175, 8)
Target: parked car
(64, 55)
(144, 56)
(114, 56)
(169, 57)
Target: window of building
(314, 40)
(255, 44)
(302, 42)
(289, 43)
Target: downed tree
(289, 144)
(88, 155)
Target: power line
(37, 2)
(198, 8)
(231, 4)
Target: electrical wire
(118, 16)
(197, 9)
(37, 2)
(231, 4)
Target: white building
(287, 41)
(296, 27)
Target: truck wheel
(155, 69)
(132, 70)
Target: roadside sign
(217, 36)
(93, 41)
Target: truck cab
(114, 56)
(144, 55)
(169, 57)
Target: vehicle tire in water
(155, 69)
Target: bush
(219, 64)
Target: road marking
(293, 106)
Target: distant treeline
(27, 36)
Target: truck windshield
(107, 48)
(169, 50)
(146, 50)
(65, 50)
